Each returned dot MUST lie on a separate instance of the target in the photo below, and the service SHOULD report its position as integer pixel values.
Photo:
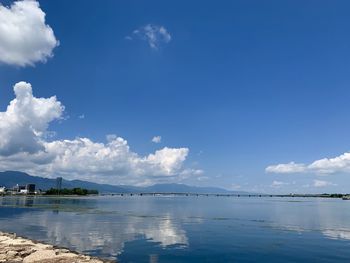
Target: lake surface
(186, 229)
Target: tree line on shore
(73, 191)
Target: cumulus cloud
(332, 165)
(26, 120)
(111, 161)
(157, 139)
(23, 146)
(320, 183)
(322, 167)
(168, 159)
(155, 35)
(25, 38)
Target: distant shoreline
(227, 195)
(185, 195)
(19, 249)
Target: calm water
(187, 229)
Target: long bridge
(222, 194)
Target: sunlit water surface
(186, 229)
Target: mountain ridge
(11, 178)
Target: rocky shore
(18, 249)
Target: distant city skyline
(248, 96)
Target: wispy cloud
(235, 186)
(155, 35)
(25, 38)
(278, 184)
(320, 183)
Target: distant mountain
(102, 188)
(11, 178)
(182, 188)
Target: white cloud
(332, 165)
(153, 34)
(322, 167)
(82, 116)
(157, 139)
(25, 38)
(285, 168)
(25, 121)
(319, 183)
(167, 160)
(83, 158)
(23, 146)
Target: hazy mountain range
(11, 178)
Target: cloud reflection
(104, 232)
(327, 216)
(337, 234)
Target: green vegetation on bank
(74, 191)
(336, 195)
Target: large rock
(18, 249)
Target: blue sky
(242, 85)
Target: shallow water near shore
(186, 229)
